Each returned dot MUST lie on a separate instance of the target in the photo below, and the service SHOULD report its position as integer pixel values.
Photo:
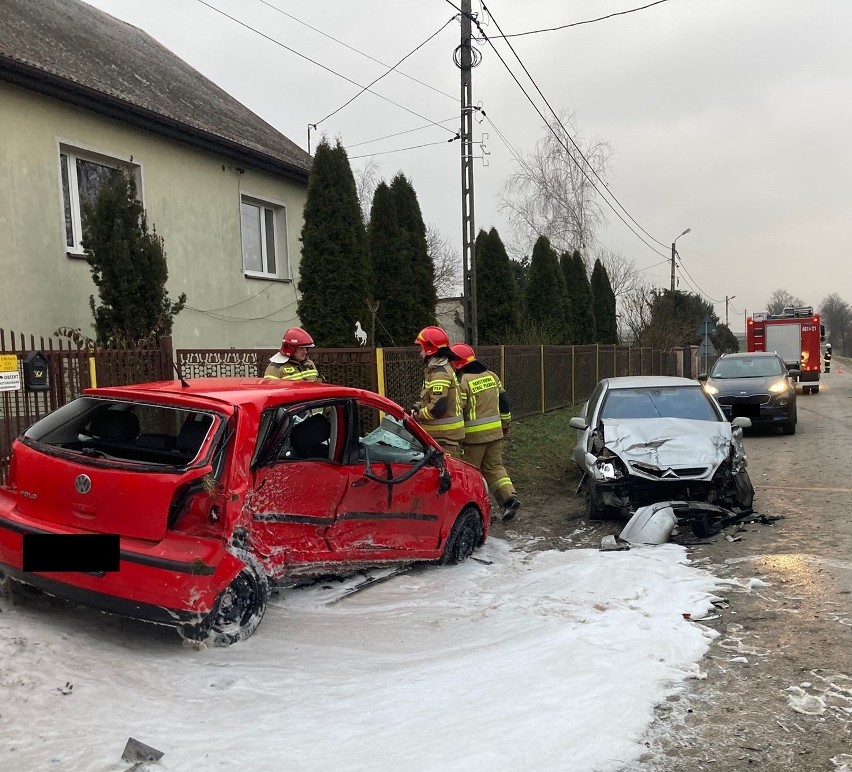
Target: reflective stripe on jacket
(441, 412)
(480, 397)
(292, 370)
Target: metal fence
(537, 378)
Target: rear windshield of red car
(125, 431)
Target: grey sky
(731, 117)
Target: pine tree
(497, 298)
(336, 279)
(389, 255)
(580, 292)
(606, 327)
(421, 296)
(128, 267)
(546, 295)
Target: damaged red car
(183, 504)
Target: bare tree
(635, 312)
(446, 261)
(624, 277)
(552, 194)
(781, 299)
(367, 180)
(837, 317)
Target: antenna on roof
(182, 380)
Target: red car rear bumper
(174, 581)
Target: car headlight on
(711, 390)
(779, 387)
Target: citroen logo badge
(83, 483)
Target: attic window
(83, 177)
(264, 237)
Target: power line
(570, 138)
(318, 64)
(695, 283)
(401, 149)
(579, 23)
(398, 133)
(559, 139)
(352, 48)
(390, 70)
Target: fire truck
(795, 335)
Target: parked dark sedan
(756, 385)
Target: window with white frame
(264, 236)
(83, 175)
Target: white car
(648, 439)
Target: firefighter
(438, 410)
(826, 359)
(487, 418)
(292, 363)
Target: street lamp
(727, 300)
(688, 230)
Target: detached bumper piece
(655, 523)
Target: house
(82, 94)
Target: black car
(756, 385)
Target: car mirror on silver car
(741, 421)
(578, 422)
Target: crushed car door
(298, 482)
(392, 499)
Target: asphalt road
(778, 691)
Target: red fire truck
(795, 335)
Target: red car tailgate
(128, 502)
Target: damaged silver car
(648, 439)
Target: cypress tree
(582, 308)
(606, 327)
(390, 258)
(546, 295)
(128, 267)
(497, 297)
(421, 296)
(335, 276)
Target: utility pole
(727, 300)
(465, 63)
(674, 252)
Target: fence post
(167, 360)
(93, 372)
(597, 362)
(573, 376)
(503, 363)
(380, 370)
(541, 354)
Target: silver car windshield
(688, 402)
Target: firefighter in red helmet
(292, 363)
(487, 416)
(438, 410)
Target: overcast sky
(729, 117)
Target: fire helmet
(293, 338)
(430, 339)
(464, 353)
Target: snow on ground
(538, 661)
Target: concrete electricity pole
(465, 61)
(674, 252)
(727, 300)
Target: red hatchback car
(182, 505)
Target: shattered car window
(392, 442)
(672, 402)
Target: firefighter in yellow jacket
(487, 418)
(292, 363)
(438, 410)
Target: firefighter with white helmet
(292, 363)
(438, 410)
(487, 416)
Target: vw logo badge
(83, 483)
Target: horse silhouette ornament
(360, 335)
